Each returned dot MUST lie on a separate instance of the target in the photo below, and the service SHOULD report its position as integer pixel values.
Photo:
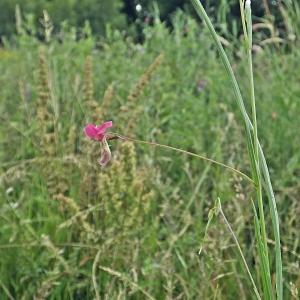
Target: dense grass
(134, 229)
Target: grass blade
(249, 133)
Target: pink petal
(103, 127)
(91, 131)
(105, 155)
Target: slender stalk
(249, 131)
(242, 4)
(184, 152)
(264, 253)
(250, 65)
(94, 271)
(275, 222)
(126, 280)
(264, 267)
(7, 292)
(239, 248)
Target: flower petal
(91, 131)
(103, 127)
(105, 155)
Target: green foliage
(147, 210)
(76, 13)
(101, 14)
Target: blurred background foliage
(70, 230)
(122, 14)
(75, 12)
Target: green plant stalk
(250, 65)
(94, 278)
(266, 280)
(275, 221)
(239, 248)
(264, 257)
(249, 129)
(242, 4)
(211, 214)
(126, 138)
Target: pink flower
(98, 133)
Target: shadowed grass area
(71, 230)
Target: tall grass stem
(264, 256)
(249, 131)
(239, 248)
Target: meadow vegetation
(133, 230)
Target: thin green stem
(275, 222)
(252, 91)
(249, 131)
(94, 271)
(255, 166)
(184, 152)
(264, 267)
(239, 248)
(242, 3)
(201, 12)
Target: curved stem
(239, 248)
(184, 152)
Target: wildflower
(95, 132)
(98, 133)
